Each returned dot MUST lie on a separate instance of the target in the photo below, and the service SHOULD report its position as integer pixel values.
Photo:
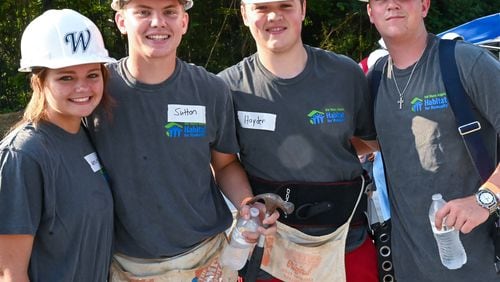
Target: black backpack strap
(381, 231)
(468, 126)
(376, 76)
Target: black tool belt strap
(321, 204)
(382, 237)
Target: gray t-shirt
(298, 129)
(156, 149)
(52, 187)
(424, 154)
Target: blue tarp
(479, 31)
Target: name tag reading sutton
(255, 120)
(186, 113)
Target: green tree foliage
(217, 37)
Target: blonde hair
(119, 4)
(35, 111)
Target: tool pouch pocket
(321, 204)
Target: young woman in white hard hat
(56, 207)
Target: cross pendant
(400, 102)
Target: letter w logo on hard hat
(78, 38)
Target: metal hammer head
(272, 202)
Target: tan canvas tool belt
(322, 204)
(294, 256)
(199, 264)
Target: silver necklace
(401, 93)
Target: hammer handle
(262, 239)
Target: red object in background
(364, 65)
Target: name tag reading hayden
(186, 113)
(256, 120)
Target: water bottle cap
(437, 197)
(254, 212)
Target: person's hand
(250, 237)
(464, 214)
(371, 157)
(268, 226)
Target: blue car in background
(484, 32)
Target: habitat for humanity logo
(176, 130)
(430, 102)
(329, 115)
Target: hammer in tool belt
(272, 202)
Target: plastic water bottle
(451, 250)
(235, 255)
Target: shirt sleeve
(21, 187)
(226, 141)
(480, 75)
(365, 127)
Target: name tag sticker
(93, 162)
(186, 113)
(255, 120)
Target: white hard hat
(381, 42)
(375, 55)
(61, 38)
(260, 1)
(452, 36)
(118, 4)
